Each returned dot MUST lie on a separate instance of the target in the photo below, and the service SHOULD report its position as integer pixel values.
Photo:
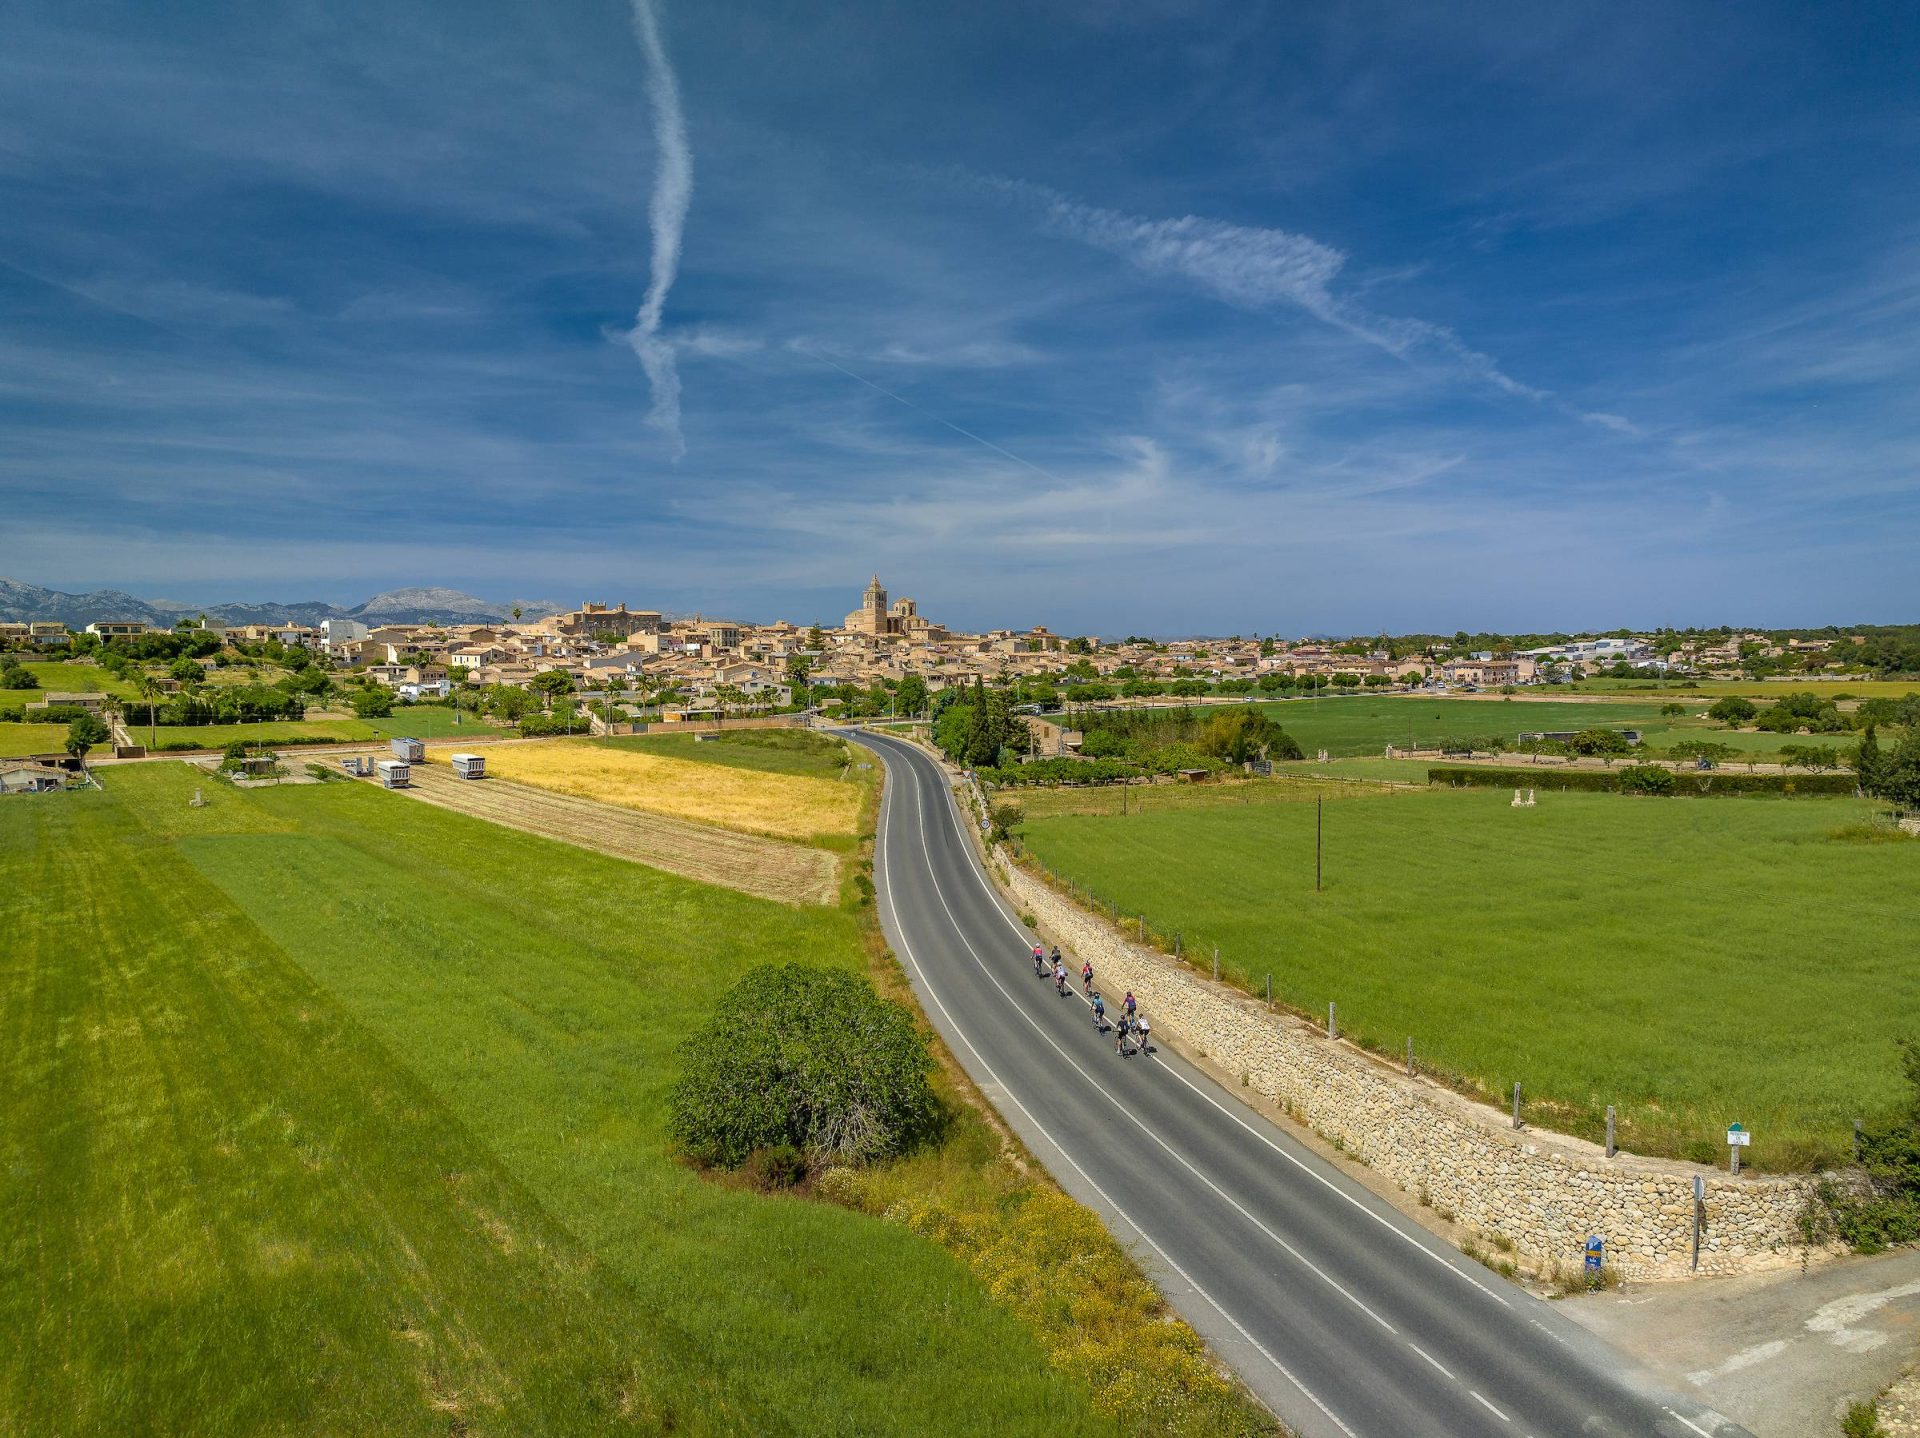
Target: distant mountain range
(26, 602)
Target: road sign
(1596, 1253)
(1738, 1137)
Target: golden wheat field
(786, 806)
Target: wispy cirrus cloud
(667, 219)
(1259, 268)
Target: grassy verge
(1692, 964)
(315, 1120)
(172, 738)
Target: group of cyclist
(1130, 1026)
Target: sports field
(808, 806)
(1692, 964)
(329, 1112)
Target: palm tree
(149, 688)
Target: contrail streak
(922, 409)
(667, 217)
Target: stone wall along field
(1544, 1193)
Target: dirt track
(770, 868)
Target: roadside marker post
(1409, 1055)
(1737, 1139)
(1333, 1028)
(1611, 1150)
(1216, 965)
(1699, 1214)
(1516, 1106)
(1269, 990)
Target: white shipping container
(410, 749)
(393, 774)
(469, 766)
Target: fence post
(1410, 1070)
(1216, 971)
(1333, 1028)
(1611, 1149)
(1516, 1106)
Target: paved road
(1348, 1320)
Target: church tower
(874, 604)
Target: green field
(1767, 689)
(66, 679)
(168, 737)
(17, 740)
(773, 751)
(1692, 964)
(1364, 725)
(315, 1119)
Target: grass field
(1366, 724)
(314, 1120)
(17, 740)
(1692, 964)
(773, 751)
(66, 678)
(273, 731)
(1768, 689)
(755, 801)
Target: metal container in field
(393, 774)
(411, 750)
(469, 766)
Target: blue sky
(1157, 315)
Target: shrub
(772, 1169)
(1646, 779)
(807, 1058)
(1004, 819)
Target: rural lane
(1347, 1319)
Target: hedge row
(1687, 783)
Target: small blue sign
(1596, 1253)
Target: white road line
(1489, 1407)
(1434, 1361)
(1691, 1424)
(1133, 1118)
(1319, 1178)
(926, 985)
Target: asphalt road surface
(1346, 1318)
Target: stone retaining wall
(1545, 1193)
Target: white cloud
(667, 217)
(1255, 268)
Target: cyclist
(1141, 1031)
(1120, 1035)
(1039, 961)
(1099, 1012)
(1055, 956)
(1060, 980)
(1086, 975)
(1130, 1005)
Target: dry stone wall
(1544, 1193)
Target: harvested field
(780, 806)
(771, 868)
